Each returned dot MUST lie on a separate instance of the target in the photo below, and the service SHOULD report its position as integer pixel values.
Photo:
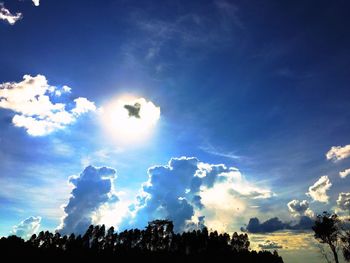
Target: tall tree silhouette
(327, 231)
(157, 242)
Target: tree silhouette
(346, 245)
(327, 230)
(157, 242)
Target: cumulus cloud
(267, 245)
(344, 173)
(343, 201)
(299, 208)
(36, 2)
(7, 16)
(93, 188)
(188, 191)
(27, 227)
(275, 224)
(337, 153)
(318, 191)
(83, 105)
(31, 100)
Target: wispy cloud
(189, 36)
(208, 148)
(42, 196)
(230, 14)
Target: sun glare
(130, 119)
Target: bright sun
(130, 119)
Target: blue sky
(262, 86)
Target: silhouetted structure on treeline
(157, 242)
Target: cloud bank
(190, 192)
(318, 191)
(275, 224)
(7, 16)
(337, 153)
(31, 100)
(93, 188)
(27, 227)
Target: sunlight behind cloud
(130, 119)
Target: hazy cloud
(27, 227)
(31, 100)
(344, 173)
(92, 189)
(7, 16)
(318, 191)
(299, 208)
(337, 153)
(305, 223)
(229, 14)
(270, 245)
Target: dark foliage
(346, 245)
(328, 230)
(157, 242)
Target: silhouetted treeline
(157, 242)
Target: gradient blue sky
(262, 86)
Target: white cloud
(27, 227)
(344, 173)
(36, 2)
(337, 153)
(83, 105)
(114, 213)
(300, 208)
(318, 191)
(30, 99)
(6, 15)
(344, 201)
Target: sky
(229, 114)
